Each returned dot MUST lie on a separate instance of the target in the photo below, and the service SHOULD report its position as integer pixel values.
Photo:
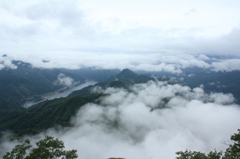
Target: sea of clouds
(150, 121)
(166, 62)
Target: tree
(198, 155)
(232, 152)
(47, 148)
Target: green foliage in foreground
(232, 152)
(47, 148)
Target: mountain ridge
(27, 82)
(124, 79)
(58, 111)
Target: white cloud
(211, 84)
(6, 62)
(221, 98)
(40, 28)
(203, 57)
(191, 75)
(227, 65)
(62, 79)
(153, 120)
(173, 63)
(76, 34)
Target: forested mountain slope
(59, 111)
(28, 83)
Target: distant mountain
(59, 111)
(27, 82)
(124, 79)
(224, 82)
(127, 74)
(130, 77)
(52, 113)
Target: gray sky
(120, 34)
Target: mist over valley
(154, 114)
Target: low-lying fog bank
(153, 120)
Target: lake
(59, 95)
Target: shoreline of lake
(65, 93)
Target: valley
(107, 105)
(57, 94)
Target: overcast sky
(121, 33)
